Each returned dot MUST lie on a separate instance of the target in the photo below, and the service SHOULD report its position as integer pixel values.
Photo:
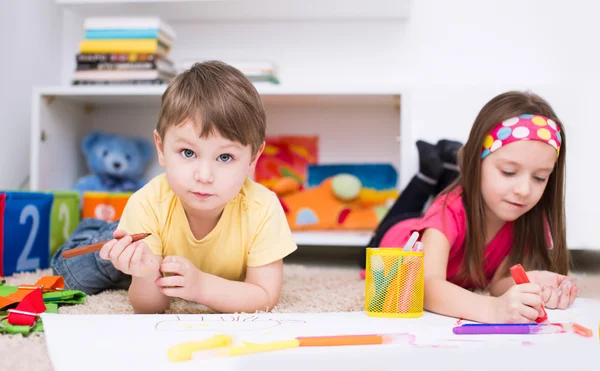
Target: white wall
(462, 53)
(33, 28)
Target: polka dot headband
(523, 127)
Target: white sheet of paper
(127, 342)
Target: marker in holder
(394, 283)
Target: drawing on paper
(224, 323)
(249, 323)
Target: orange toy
(318, 208)
(286, 186)
(104, 205)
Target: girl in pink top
(505, 207)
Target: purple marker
(506, 330)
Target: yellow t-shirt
(252, 231)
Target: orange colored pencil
(320, 341)
(97, 246)
(412, 267)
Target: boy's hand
(134, 259)
(558, 291)
(184, 280)
(520, 304)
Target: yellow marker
(259, 348)
(183, 352)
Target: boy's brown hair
(530, 245)
(220, 98)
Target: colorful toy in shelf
(64, 218)
(117, 162)
(104, 205)
(352, 197)
(286, 157)
(25, 232)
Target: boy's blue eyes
(225, 157)
(188, 153)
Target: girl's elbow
(431, 280)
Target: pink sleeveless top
(451, 220)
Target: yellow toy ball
(346, 187)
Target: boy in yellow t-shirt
(217, 237)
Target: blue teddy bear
(117, 162)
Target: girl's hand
(183, 279)
(520, 304)
(135, 259)
(558, 291)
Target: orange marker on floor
(310, 341)
(583, 331)
(338, 340)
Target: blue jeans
(89, 273)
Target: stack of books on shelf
(258, 71)
(255, 71)
(125, 51)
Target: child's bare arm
(501, 283)
(444, 297)
(520, 303)
(145, 296)
(260, 290)
(137, 260)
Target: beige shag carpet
(306, 288)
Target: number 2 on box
(24, 262)
(63, 216)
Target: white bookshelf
(332, 238)
(271, 94)
(62, 115)
(336, 60)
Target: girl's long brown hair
(530, 247)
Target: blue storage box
(26, 232)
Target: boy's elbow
(149, 307)
(143, 310)
(271, 304)
(272, 299)
(145, 305)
